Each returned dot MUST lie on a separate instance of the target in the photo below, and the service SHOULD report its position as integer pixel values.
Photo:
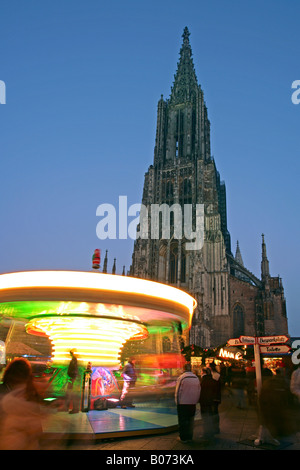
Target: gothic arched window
(238, 321)
(162, 262)
(174, 260)
(186, 191)
(183, 266)
(169, 193)
(173, 263)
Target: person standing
(207, 398)
(217, 399)
(295, 383)
(295, 390)
(129, 378)
(239, 386)
(187, 394)
(21, 408)
(73, 387)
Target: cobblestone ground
(239, 428)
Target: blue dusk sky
(83, 79)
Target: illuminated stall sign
(196, 361)
(226, 354)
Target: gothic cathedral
(231, 300)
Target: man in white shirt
(187, 394)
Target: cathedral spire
(238, 254)
(265, 271)
(114, 267)
(185, 81)
(105, 263)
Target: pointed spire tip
(186, 33)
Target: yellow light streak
(98, 282)
(102, 349)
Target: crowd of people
(191, 390)
(278, 403)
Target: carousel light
(98, 340)
(95, 313)
(98, 282)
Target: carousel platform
(144, 419)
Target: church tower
(184, 174)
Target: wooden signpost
(266, 340)
(279, 349)
(262, 344)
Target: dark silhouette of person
(73, 387)
(21, 411)
(217, 399)
(207, 397)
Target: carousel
(105, 318)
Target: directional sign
(261, 340)
(234, 342)
(247, 340)
(267, 340)
(280, 349)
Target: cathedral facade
(231, 301)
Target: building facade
(231, 300)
